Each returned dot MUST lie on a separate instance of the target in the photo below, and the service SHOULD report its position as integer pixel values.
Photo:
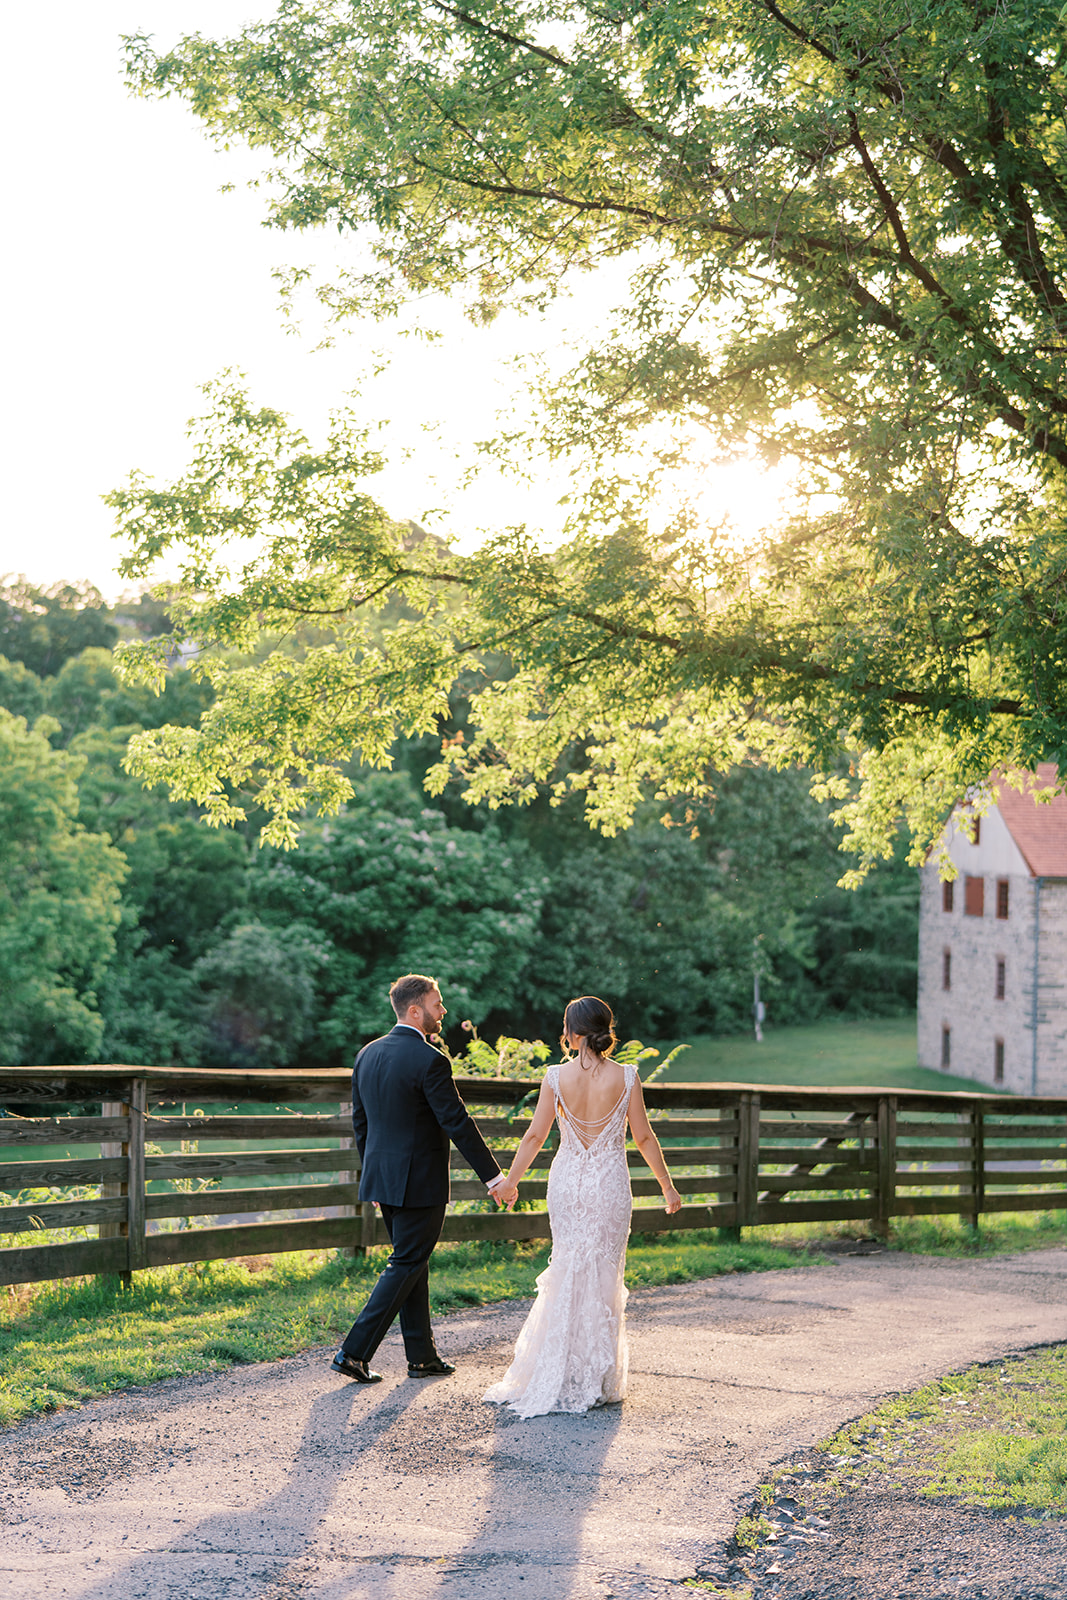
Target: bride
(572, 1353)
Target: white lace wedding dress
(572, 1352)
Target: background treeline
(130, 932)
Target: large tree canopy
(847, 225)
(43, 628)
(59, 903)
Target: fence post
(110, 1190)
(748, 1160)
(886, 1194)
(725, 1141)
(974, 1188)
(369, 1225)
(136, 1225)
(348, 1142)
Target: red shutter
(974, 897)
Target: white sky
(129, 280)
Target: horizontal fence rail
(108, 1169)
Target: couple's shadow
(546, 1474)
(533, 1483)
(270, 1538)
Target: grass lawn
(879, 1053)
(61, 1344)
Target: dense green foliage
(59, 894)
(846, 229)
(43, 628)
(224, 952)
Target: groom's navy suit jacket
(405, 1110)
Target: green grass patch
(999, 1233)
(62, 1344)
(716, 1591)
(993, 1436)
(751, 1531)
(877, 1053)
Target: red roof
(1038, 828)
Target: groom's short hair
(409, 990)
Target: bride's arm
(535, 1135)
(649, 1147)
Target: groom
(405, 1110)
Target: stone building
(993, 947)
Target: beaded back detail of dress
(572, 1352)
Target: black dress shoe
(349, 1367)
(430, 1369)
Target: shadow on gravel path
(259, 1549)
(281, 1482)
(530, 1540)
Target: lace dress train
(572, 1352)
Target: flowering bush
(507, 1058)
(523, 1058)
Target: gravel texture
(880, 1539)
(278, 1480)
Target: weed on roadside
(715, 1591)
(992, 1436)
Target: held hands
(672, 1200)
(506, 1195)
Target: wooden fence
(150, 1183)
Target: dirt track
(281, 1480)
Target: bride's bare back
(590, 1094)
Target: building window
(974, 897)
(977, 837)
(947, 895)
(1002, 899)
(998, 1061)
(946, 1049)
(1002, 973)
(946, 969)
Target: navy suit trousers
(404, 1286)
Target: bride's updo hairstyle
(591, 1020)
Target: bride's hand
(672, 1200)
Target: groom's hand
(505, 1197)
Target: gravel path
(280, 1480)
(881, 1539)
